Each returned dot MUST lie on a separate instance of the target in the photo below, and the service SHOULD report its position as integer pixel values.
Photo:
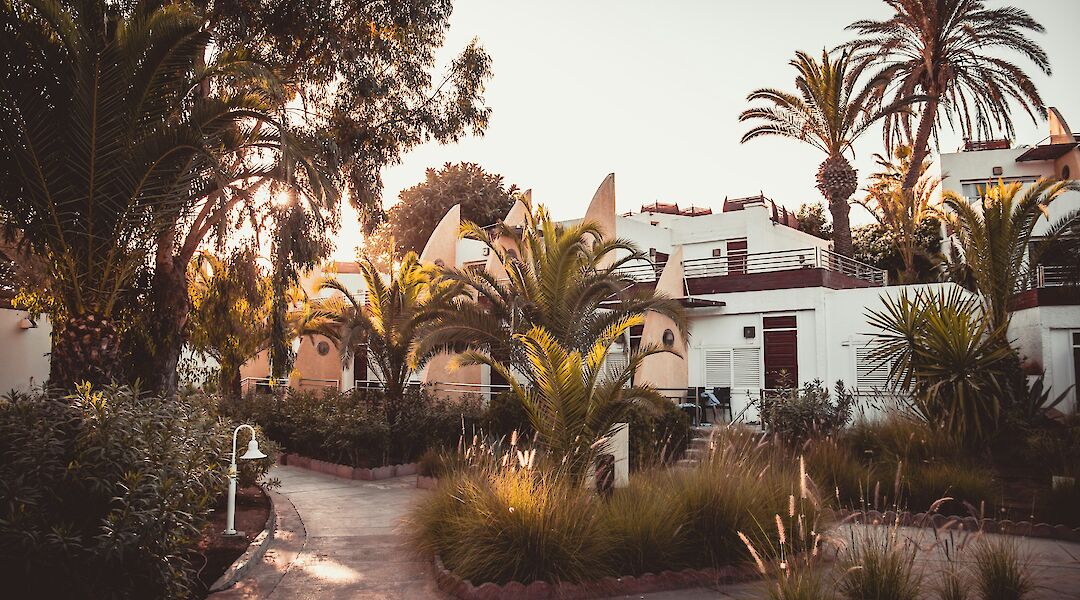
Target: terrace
(782, 269)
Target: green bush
(838, 472)
(103, 494)
(658, 436)
(878, 564)
(1002, 572)
(799, 415)
(352, 427)
(968, 486)
(649, 528)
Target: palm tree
(574, 398)
(556, 278)
(900, 212)
(385, 321)
(829, 112)
(948, 52)
(107, 137)
(995, 238)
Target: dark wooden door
(781, 358)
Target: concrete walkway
(354, 546)
(345, 540)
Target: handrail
(1044, 276)
(762, 262)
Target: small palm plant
(573, 398)
(995, 236)
(385, 322)
(830, 111)
(902, 212)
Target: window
(870, 372)
(733, 367)
(976, 188)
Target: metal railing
(1044, 276)
(763, 262)
(484, 390)
(268, 384)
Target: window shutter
(870, 372)
(718, 368)
(747, 364)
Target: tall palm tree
(902, 213)
(949, 53)
(995, 238)
(829, 111)
(107, 136)
(573, 399)
(557, 277)
(385, 321)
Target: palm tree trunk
(920, 149)
(86, 349)
(170, 306)
(841, 210)
(837, 181)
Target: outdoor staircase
(698, 449)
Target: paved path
(355, 548)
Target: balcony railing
(763, 262)
(1044, 276)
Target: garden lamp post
(252, 453)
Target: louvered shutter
(718, 368)
(747, 367)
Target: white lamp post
(252, 453)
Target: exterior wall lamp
(253, 453)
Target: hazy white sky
(651, 91)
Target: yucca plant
(942, 351)
(113, 125)
(574, 399)
(830, 110)
(564, 279)
(951, 54)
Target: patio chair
(719, 398)
(691, 405)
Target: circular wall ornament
(322, 348)
(669, 338)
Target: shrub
(878, 564)
(897, 438)
(514, 525)
(648, 527)
(838, 473)
(352, 428)
(925, 484)
(1001, 572)
(658, 435)
(104, 493)
(1062, 504)
(798, 415)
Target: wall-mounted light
(998, 171)
(749, 332)
(486, 251)
(27, 323)
(669, 338)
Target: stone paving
(355, 548)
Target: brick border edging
(347, 472)
(939, 521)
(252, 554)
(464, 589)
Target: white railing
(763, 262)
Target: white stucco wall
(1044, 336)
(24, 360)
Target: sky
(651, 91)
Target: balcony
(1048, 285)
(806, 267)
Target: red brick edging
(608, 586)
(347, 472)
(939, 521)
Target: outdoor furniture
(691, 405)
(719, 398)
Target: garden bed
(349, 472)
(218, 552)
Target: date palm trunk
(921, 148)
(86, 349)
(169, 307)
(837, 181)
